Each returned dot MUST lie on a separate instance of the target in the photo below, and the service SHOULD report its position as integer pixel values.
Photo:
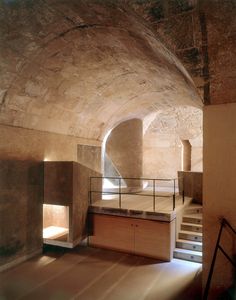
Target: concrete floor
(94, 274)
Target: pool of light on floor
(53, 232)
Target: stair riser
(190, 237)
(191, 228)
(189, 246)
(189, 211)
(185, 256)
(192, 220)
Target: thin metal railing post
(154, 200)
(119, 192)
(183, 189)
(174, 196)
(207, 288)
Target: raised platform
(139, 206)
(141, 232)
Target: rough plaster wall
(125, 147)
(162, 140)
(21, 194)
(197, 159)
(58, 182)
(219, 188)
(81, 188)
(162, 162)
(90, 157)
(24, 144)
(21, 198)
(161, 156)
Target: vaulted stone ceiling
(81, 67)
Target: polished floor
(93, 274)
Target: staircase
(189, 242)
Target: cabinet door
(111, 232)
(154, 239)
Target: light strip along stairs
(189, 242)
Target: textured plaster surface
(162, 147)
(124, 146)
(21, 198)
(192, 185)
(24, 144)
(90, 156)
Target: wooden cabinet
(138, 236)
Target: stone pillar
(125, 148)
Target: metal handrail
(224, 223)
(138, 178)
(120, 193)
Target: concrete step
(190, 255)
(193, 209)
(189, 245)
(190, 235)
(193, 218)
(191, 227)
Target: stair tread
(194, 205)
(186, 251)
(196, 216)
(191, 232)
(189, 242)
(191, 224)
